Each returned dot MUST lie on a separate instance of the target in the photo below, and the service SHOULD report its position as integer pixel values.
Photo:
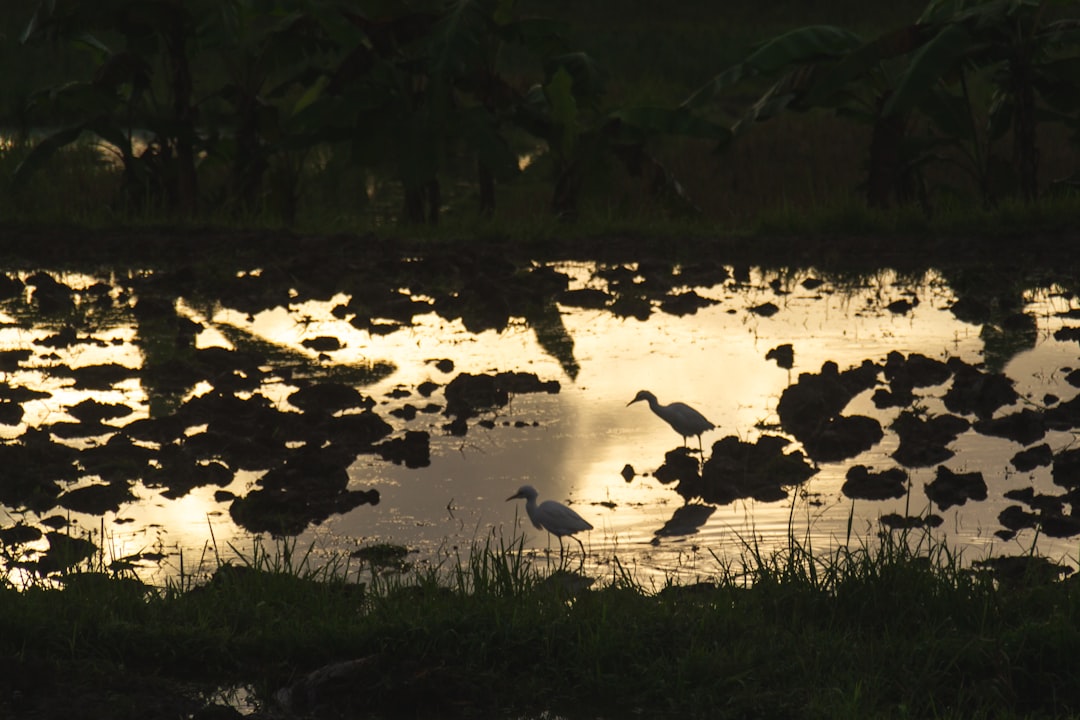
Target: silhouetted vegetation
(298, 108)
(900, 630)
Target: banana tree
(1030, 56)
(124, 96)
(411, 85)
(827, 67)
(264, 52)
(566, 112)
(420, 85)
(922, 74)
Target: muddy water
(714, 359)
(601, 333)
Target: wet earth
(177, 415)
(201, 417)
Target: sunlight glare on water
(573, 446)
(713, 359)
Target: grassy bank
(899, 630)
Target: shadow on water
(811, 411)
(135, 386)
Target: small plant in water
(383, 556)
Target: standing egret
(552, 516)
(683, 419)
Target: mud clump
(843, 437)
(811, 411)
(784, 355)
(974, 392)
(904, 374)
(310, 486)
(737, 470)
(96, 499)
(949, 488)
(329, 398)
(923, 440)
(766, 309)
(861, 484)
(679, 465)
(413, 450)
(1028, 460)
(1066, 469)
(467, 395)
(687, 303)
(1024, 427)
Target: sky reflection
(573, 446)
(713, 359)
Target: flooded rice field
(161, 422)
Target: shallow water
(572, 445)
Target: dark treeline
(214, 106)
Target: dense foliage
(232, 107)
(404, 88)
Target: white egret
(683, 419)
(552, 516)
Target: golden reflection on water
(573, 445)
(714, 360)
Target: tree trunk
(564, 201)
(422, 203)
(660, 182)
(250, 164)
(186, 184)
(887, 177)
(486, 182)
(412, 213)
(1025, 151)
(434, 199)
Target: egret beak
(632, 402)
(514, 497)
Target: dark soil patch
(1024, 427)
(894, 521)
(784, 355)
(949, 488)
(96, 499)
(1038, 456)
(861, 484)
(811, 411)
(923, 440)
(306, 489)
(737, 469)
(975, 392)
(468, 395)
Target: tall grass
(893, 628)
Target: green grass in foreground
(900, 630)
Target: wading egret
(684, 419)
(552, 516)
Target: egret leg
(582, 546)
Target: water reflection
(149, 412)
